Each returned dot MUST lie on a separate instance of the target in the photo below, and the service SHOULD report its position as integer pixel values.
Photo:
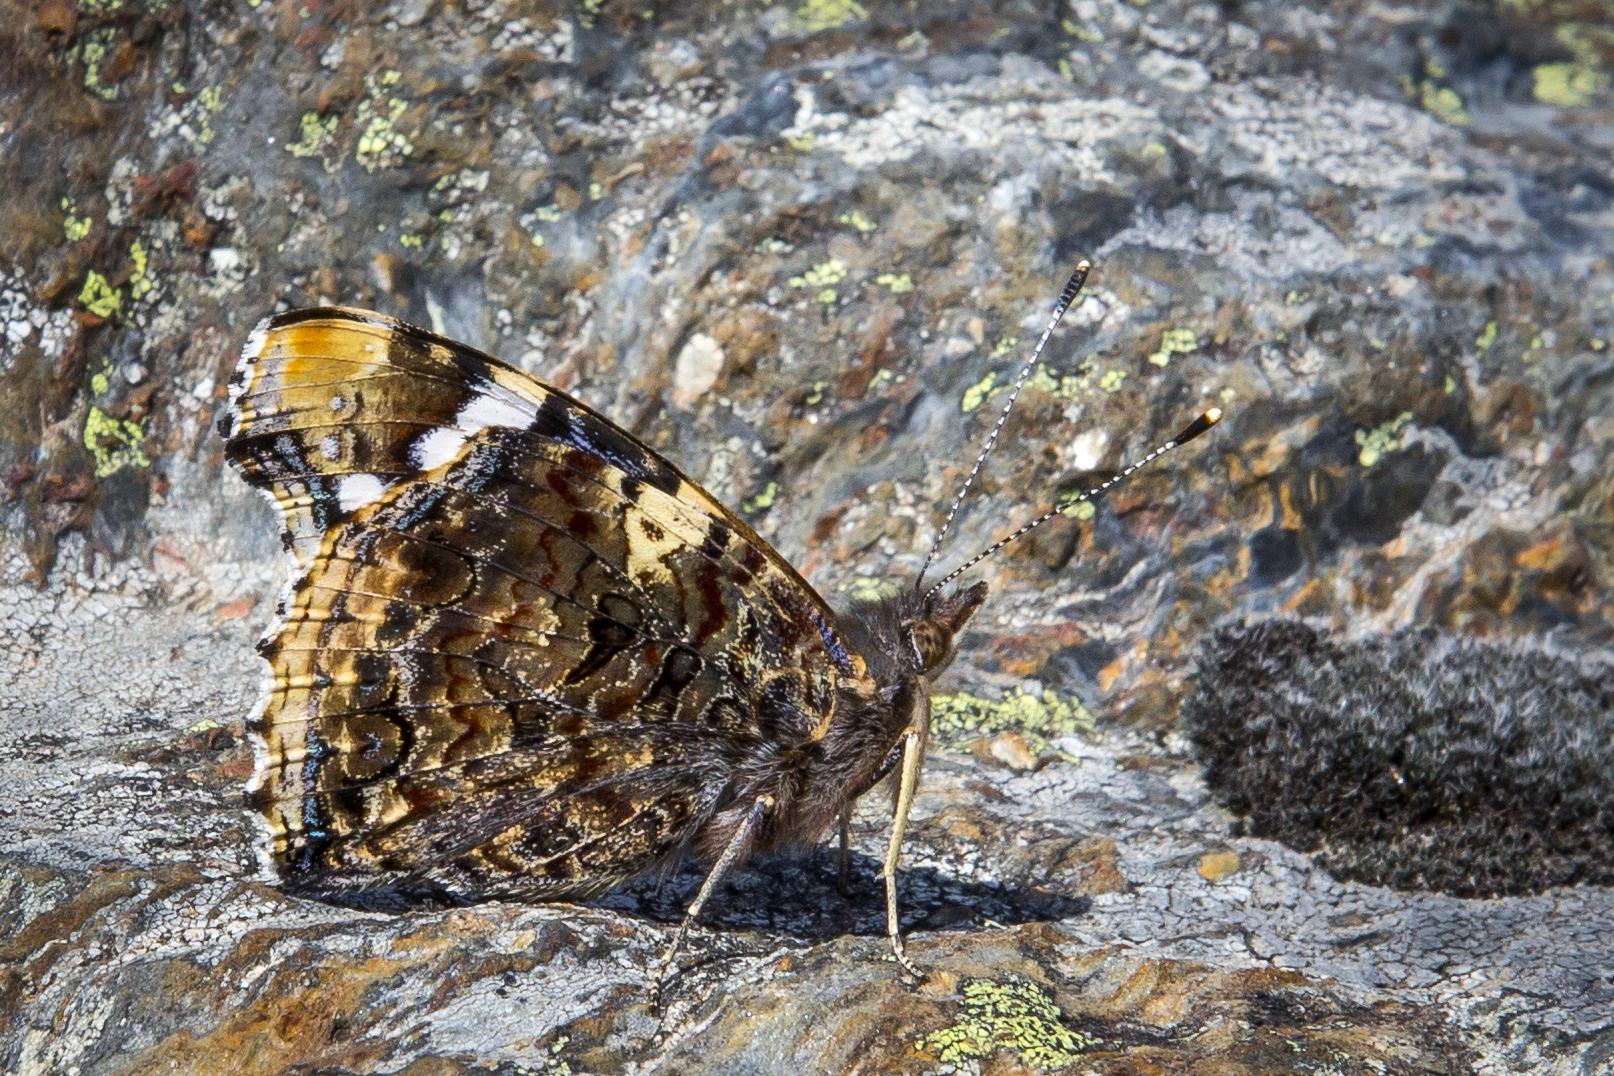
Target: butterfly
(521, 655)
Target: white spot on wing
(437, 447)
(492, 408)
(255, 341)
(330, 447)
(354, 491)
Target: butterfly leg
(843, 872)
(731, 855)
(912, 747)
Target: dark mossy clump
(1414, 760)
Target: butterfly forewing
(520, 653)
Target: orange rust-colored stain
(235, 610)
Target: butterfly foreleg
(732, 854)
(913, 753)
(843, 872)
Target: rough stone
(1378, 237)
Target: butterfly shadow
(798, 897)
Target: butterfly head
(934, 634)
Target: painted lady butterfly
(521, 655)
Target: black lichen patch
(1414, 760)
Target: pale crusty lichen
(316, 135)
(1569, 85)
(1383, 439)
(823, 276)
(212, 100)
(859, 221)
(817, 15)
(977, 394)
(762, 501)
(74, 226)
(140, 279)
(1013, 1015)
(381, 144)
(1443, 103)
(870, 588)
(1039, 718)
(99, 297)
(94, 51)
(1174, 342)
(896, 283)
(115, 443)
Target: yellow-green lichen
(816, 396)
(869, 588)
(1484, 340)
(897, 284)
(73, 226)
(858, 221)
(1004, 346)
(381, 144)
(821, 275)
(415, 242)
(1078, 510)
(1382, 440)
(1437, 100)
(761, 501)
(316, 133)
(548, 213)
(1111, 380)
(99, 297)
(1174, 342)
(140, 281)
(1569, 85)
(1082, 33)
(1443, 103)
(114, 443)
(1039, 718)
(93, 51)
(212, 99)
(977, 394)
(1065, 387)
(817, 15)
(1013, 1015)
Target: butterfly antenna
(1072, 287)
(1191, 431)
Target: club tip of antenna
(1083, 266)
(1198, 426)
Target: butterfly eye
(931, 642)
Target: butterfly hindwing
(520, 653)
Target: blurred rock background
(801, 249)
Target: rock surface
(801, 249)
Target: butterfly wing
(519, 653)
